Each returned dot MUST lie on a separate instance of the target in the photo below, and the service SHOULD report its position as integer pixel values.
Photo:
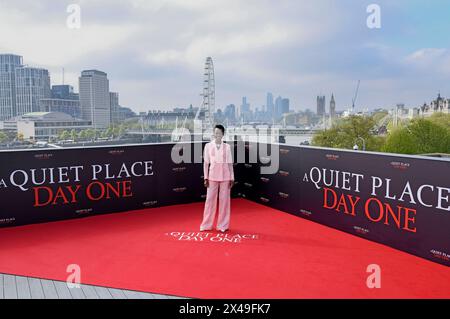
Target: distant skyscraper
(64, 92)
(71, 107)
(332, 107)
(278, 106)
(269, 104)
(245, 109)
(230, 112)
(284, 106)
(32, 85)
(320, 105)
(8, 65)
(95, 98)
(63, 99)
(114, 102)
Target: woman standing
(218, 178)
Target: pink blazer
(218, 163)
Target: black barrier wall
(399, 201)
(55, 184)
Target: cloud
(154, 50)
(49, 42)
(430, 59)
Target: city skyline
(269, 106)
(273, 47)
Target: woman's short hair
(220, 127)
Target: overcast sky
(154, 50)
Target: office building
(8, 65)
(95, 98)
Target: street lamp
(355, 147)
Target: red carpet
(291, 258)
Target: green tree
(441, 119)
(103, 133)
(90, 133)
(109, 132)
(347, 132)
(3, 137)
(419, 136)
(64, 135)
(82, 135)
(73, 135)
(379, 115)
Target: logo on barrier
(179, 169)
(334, 186)
(116, 152)
(264, 199)
(440, 254)
(43, 156)
(48, 185)
(400, 165)
(283, 195)
(83, 211)
(305, 212)
(360, 230)
(332, 157)
(212, 237)
(284, 173)
(179, 189)
(9, 220)
(264, 179)
(284, 151)
(150, 203)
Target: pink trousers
(223, 190)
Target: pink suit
(218, 170)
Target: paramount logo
(179, 189)
(179, 169)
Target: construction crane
(354, 98)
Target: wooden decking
(18, 287)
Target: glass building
(8, 65)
